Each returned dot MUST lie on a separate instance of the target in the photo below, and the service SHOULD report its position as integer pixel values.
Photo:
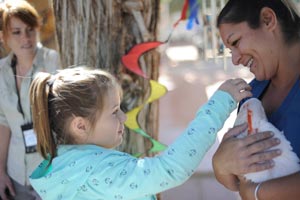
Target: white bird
(252, 112)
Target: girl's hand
(238, 88)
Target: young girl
(78, 121)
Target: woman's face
(21, 38)
(252, 48)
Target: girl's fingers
(244, 94)
(237, 81)
(244, 87)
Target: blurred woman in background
(19, 25)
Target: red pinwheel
(131, 60)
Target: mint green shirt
(85, 172)
(19, 164)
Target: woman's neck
(289, 67)
(24, 64)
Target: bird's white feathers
(288, 162)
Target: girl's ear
(268, 18)
(79, 128)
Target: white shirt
(19, 164)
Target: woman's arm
(5, 181)
(238, 156)
(277, 189)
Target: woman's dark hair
(237, 11)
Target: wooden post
(98, 33)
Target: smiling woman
(263, 35)
(19, 25)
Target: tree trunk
(98, 33)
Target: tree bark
(97, 33)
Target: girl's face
(109, 128)
(21, 38)
(252, 48)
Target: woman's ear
(79, 128)
(268, 18)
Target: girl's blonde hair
(56, 99)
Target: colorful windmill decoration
(191, 8)
(131, 62)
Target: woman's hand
(238, 156)
(6, 184)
